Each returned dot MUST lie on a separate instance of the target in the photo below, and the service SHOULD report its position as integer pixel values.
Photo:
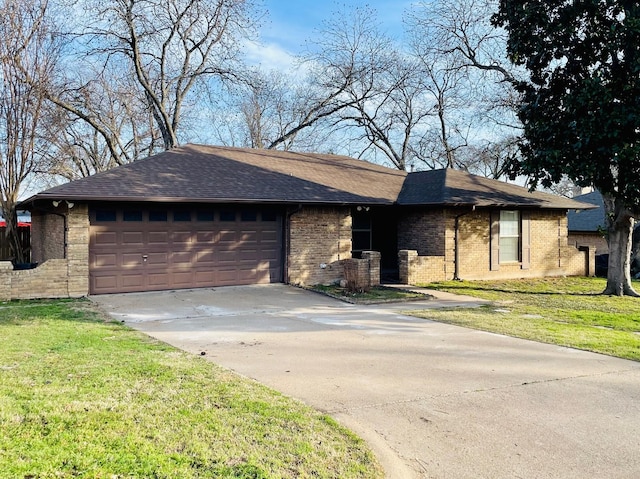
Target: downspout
(456, 241)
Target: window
(509, 236)
(360, 231)
(249, 215)
(227, 215)
(106, 215)
(181, 215)
(132, 215)
(269, 215)
(205, 215)
(158, 215)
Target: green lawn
(376, 294)
(563, 311)
(84, 397)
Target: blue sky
(290, 23)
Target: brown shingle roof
(217, 174)
(198, 173)
(457, 188)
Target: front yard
(81, 396)
(564, 311)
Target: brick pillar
(373, 258)
(78, 250)
(6, 267)
(406, 259)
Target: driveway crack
(474, 391)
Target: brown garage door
(144, 249)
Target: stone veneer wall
(551, 254)
(66, 277)
(319, 240)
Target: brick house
(587, 227)
(203, 216)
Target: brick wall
(362, 273)
(55, 277)
(318, 236)
(551, 254)
(416, 269)
(423, 231)
(47, 236)
(593, 240)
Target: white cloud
(270, 56)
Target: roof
(198, 173)
(458, 188)
(590, 220)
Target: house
(588, 227)
(204, 216)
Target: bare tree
(98, 125)
(490, 159)
(463, 56)
(171, 47)
(337, 72)
(393, 114)
(25, 46)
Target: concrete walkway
(433, 400)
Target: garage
(135, 247)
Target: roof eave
(170, 199)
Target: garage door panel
(250, 256)
(270, 254)
(204, 278)
(106, 238)
(132, 238)
(150, 255)
(205, 237)
(269, 237)
(105, 282)
(133, 281)
(205, 257)
(158, 237)
(181, 237)
(226, 256)
(182, 279)
(158, 279)
(228, 237)
(105, 260)
(227, 274)
(157, 258)
(130, 259)
(181, 258)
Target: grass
(81, 396)
(377, 294)
(564, 311)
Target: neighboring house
(203, 216)
(588, 227)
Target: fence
(25, 239)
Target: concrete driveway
(432, 400)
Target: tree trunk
(13, 237)
(620, 223)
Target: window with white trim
(509, 236)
